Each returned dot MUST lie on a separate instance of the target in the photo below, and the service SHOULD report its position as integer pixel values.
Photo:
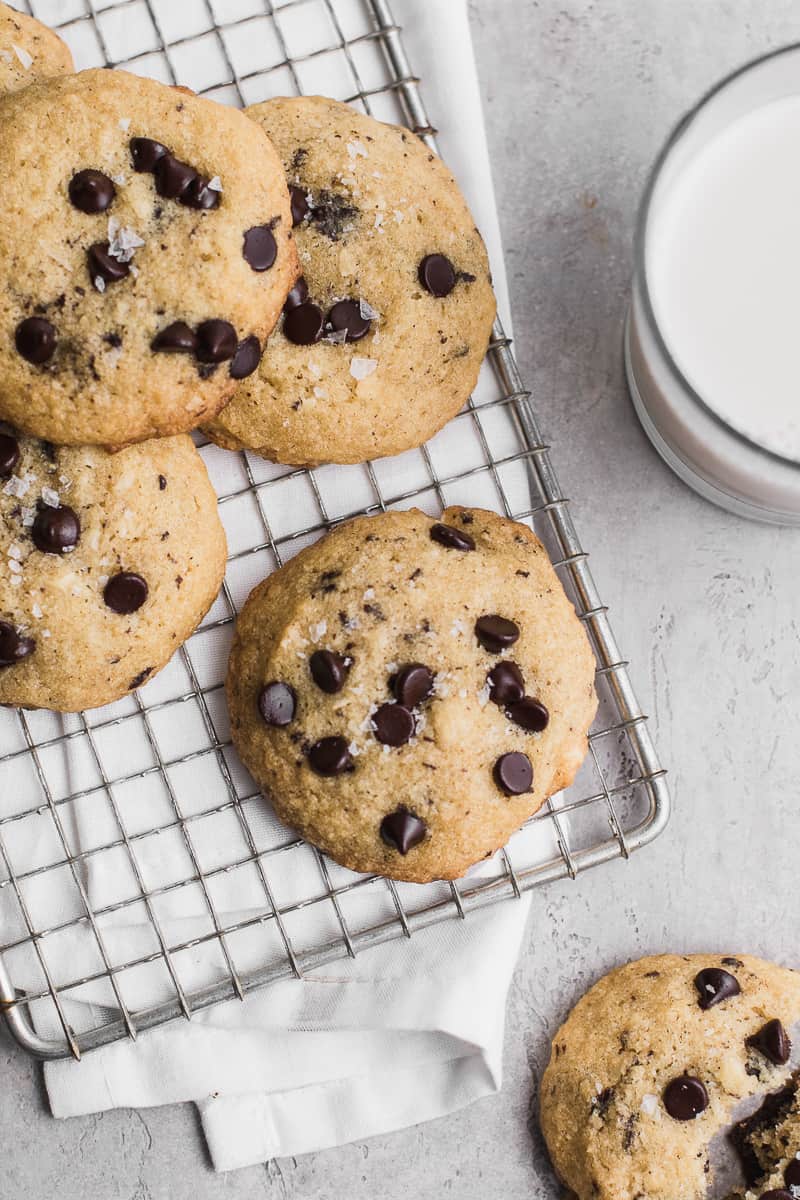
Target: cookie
(143, 259)
(107, 564)
(28, 51)
(408, 691)
(768, 1144)
(650, 1065)
(383, 336)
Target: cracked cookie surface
(132, 299)
(383, 336)
(408, 691)
(107, 564)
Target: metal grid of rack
(618, 804)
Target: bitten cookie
(650, 1064)
(145, 252)
(383, 336)
(768, 1144)
(408, 691)
(107, 564)
(28, 51)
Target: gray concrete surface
(578, 97)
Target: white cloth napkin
(407, 1031)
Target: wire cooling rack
(62, 776)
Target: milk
(722, 260)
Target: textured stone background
(578, 97)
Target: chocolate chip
(260, 248)
(732, 962)
(506, 685)
(177, 338)
(104, 266)
(56, 530)
(303, 325)
(496, 633)
(776, 1194)
(333, 214)
(330, 756)
(199, 195)
(715, 985)
(454, 539)
(91, 191)
(162, 483)
(513, 773)
(299, 204)
(125, 592)
(35, 339)
(402, 830)
(685, 1098)
(9, 455)
(246, 358)
(791, 1175)
(773, 1042)
(437, 275)
(173, 176)
(394, 724)
(412, 684)
(298, 294)
(216, 341)
(345, 317)
(145, 153)
(139, 679)
(329, 670)
(13, 645)
(277, 703)
(529, 714)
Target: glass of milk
(712, 344)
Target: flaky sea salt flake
(16, 486)
(649, 1104)
(215, 184)
(357, 150)
(362, 368)
(22, 54)
(50, 498)
(124, 124)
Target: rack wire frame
(630, 790)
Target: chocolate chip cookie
(382, 336)
(28, 51)
(650, 1065)
(107, 564)
(145, 253)
(408, 691)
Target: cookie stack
(305, 283)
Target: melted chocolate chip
(791, 1175)
(412, 684)
(298, 294)
(303, 325)
(329, 670)
(91, 191)
(299, 201)
(529, 714)
(216, 341)
(177, 338)
(513, 773)
(35, 339)
(773, 1042)
(715, 985)
(9, 454)
(506, 685)
(139, 679)
(685, 1098)
(437, 275)
(13, 645)
(199, 195)
(454, 539)
(332, 214)
(173, 176)
(394, 724)
(125, 592)
(277, 703)
(246, 358)
(496, 633)
(345, 317)
(330, 756)
(145, 153)
(104, 266)
(260, 248)
(402, 830)
(56, 530)
(776, 1194)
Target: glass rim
(676, 135)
